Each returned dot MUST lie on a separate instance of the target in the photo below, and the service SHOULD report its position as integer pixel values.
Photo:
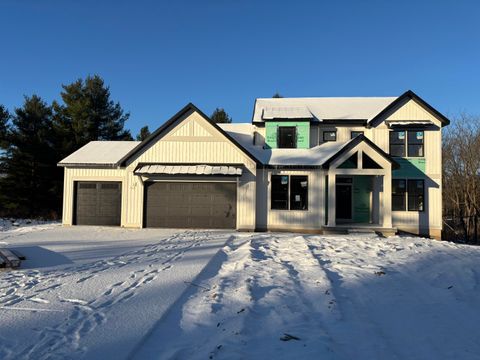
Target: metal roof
(166, 169)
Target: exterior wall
(428, 222)
(311, 219)
(303, 133)
(87, 174)
(193, 140)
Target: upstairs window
(287, 137)
(329, 136)
(289, 192)
(354, 134)
(406, 143)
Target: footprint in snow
(39, 300)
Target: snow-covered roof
(316, 156)
(100, 153)
(321, 108)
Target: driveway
(94, 292)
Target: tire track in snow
(64, 339)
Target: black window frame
(329, 131)
(408, 144)
(281, 143)
(411, 202)
(356, 132)
(287, 194)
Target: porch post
(331, 199)
(387, 199)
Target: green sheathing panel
(303, 133)
(410, 168)
(362, 188)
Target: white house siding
(312, 219)
(72, 174)
(430, 221)
(193, 140)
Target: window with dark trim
(330, 135)
(406, 143)
(415, 195)
(287, 137)
(354, 134)
(289, 192)
(408, 195)
(399, 190)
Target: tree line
(37, 135)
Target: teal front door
(362, 189)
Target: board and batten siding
(193, 141)
(73, 174)
(429, 221)
(311, 219)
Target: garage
(207, 205)
(98, 203)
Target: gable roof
(173, 120)
(102, 153)
(320, 108)
(407, 96)
(354, 142)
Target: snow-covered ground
(94, 292)
(112, 293)
(285, 296)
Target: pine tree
(143, 134)
(277, 95)
(220, 116)
(87, 114)
(4, 118)
(29, 161)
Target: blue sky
(158, 56)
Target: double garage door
(166, 204)
(190, 205)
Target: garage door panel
(98, 203)
(190, 205)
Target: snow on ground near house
(94, 292)
(284, 296)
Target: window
(403, 140)
(279, 192)
(398, 195)
(354, 134)
(287, 137)
(415, 144)
(329, 136)
(397, 143)
(299, 193)
(415, 195)
(289, 192)
(408, 194)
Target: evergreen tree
(4, 117)
(29, 161)
(220, 116)
(87, 114)
(143, 134)
(277, 95)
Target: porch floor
(360, 228)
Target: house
(302, 164)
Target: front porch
(358, 190)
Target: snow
(114, 293)
(285, 296)
(100, 153)
(94, 292)
(327, 108)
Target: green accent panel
(362, 187)
(350, 163)
(303, 133)
(412, 167)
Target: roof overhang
(409, 123)
(188, 169)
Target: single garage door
(98, 203)
(191, 205)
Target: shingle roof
(100, 153)
(322, 108)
